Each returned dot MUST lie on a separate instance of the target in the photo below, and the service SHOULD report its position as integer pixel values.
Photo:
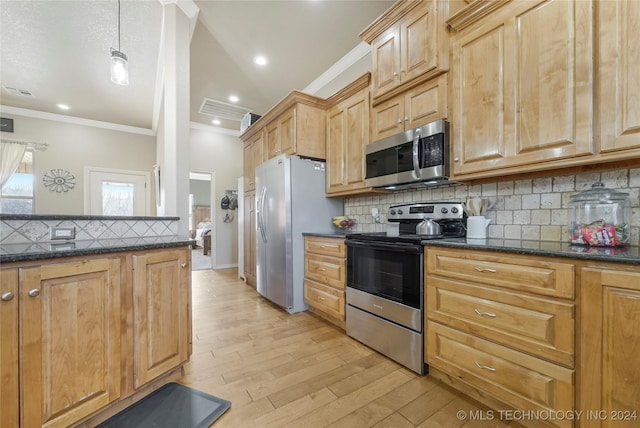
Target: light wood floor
(282, 370)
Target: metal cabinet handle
(480, 366)
(406, 119)
(328, 246)
(321, 269)
(399, 120)
(377, 306)
(395, 73)
(488, 314)
(479, 269)
(35, 292)
(456, 159)
(320, 298)
(183, 265)
(6, 296)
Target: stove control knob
(399, 212)
(392, 212)
(454, 210)
(444, 210)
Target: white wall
(223, 155)
(71, 148)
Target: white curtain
(11, 155)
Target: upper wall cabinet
(619, 78)
(295, 126)
(252, 158)
(416, 107)
(522, 87)
(409, 44)
(347, 137)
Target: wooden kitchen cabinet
(347, 137)
(70, 341)
(298, 130)
(249, 247)
(325, 277)
(252, 157)
(416, 107)
(619, 79)
(409, 43)
(502, 328)
(609, 378)
(9, 392)
(522, 87)
(160, 322)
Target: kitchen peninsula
(90, 325)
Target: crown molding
(76, 120)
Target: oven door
(389, 270)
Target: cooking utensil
(428, 227)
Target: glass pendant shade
(119, 68)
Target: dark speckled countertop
(328, 235)
(48, 250)
(628, 255)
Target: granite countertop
(629, 254)
(327, 235)
(48, 250)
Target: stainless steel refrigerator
(290, 200)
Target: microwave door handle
(416, 146)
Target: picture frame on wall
(6, 124)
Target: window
(17, 194)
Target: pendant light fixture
(119, 61)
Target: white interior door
(116, 192)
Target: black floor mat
(171, 406)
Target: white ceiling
(59, 51)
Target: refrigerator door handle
(260, 219)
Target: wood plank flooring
(282, 370)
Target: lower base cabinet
(609, 380)
(67, 351)
(325, 277)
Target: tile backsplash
(37, 229)
(535, 209)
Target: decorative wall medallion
(59, 180)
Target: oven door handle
(398, 247)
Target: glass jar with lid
(600, 217)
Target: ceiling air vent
(19, 92)
(222, 110)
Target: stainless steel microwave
(414, 158)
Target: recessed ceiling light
(63, 106)
(215, 122)
(260, 60)
(233, 98)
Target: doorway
(116, 192)
(202, 218)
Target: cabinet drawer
(327, 270)
(323, 298)
(519, 380)
(539, 326)
(509, 271)
(326, 246)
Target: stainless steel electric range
(385, 280)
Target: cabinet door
(609, 376)
(347, 136)
(9, 348)
(426, 103)
(387, 118)
(272, 135)
(248, 168)
(160, 312)
(257, 149)
(419, 42)
(522, 87)
(287, 125)
(70, 324)
(619, 65)
(249, 247)
(385, 57)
